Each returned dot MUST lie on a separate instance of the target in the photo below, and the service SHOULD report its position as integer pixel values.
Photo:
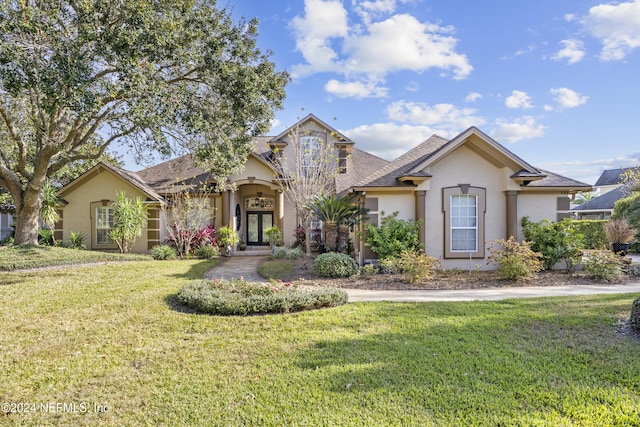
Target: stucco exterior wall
(464, 166)
(537, 206)
(78, 215)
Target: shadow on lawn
(197, 270)
(496, 357)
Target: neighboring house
(465, 191)
(609, 188)
(6, 220)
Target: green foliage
(634, 320)
(393, 236)
(516, 261)
(415, 267)
(274, 235)
(240, 298)
(45, 237)
(130, 217)
(556, 241)
(77, 76)
(628, 208)
(333, 264)
(602, 265)
(368, 270)
(207, 252)
(227, 236)
(593, 235)
(337, 213)
(48, 206)
(286, 253)
(163, 252)
(76, 240)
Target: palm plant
(336, 213)
(50, 201)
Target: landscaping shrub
(634, 321)
(602, 265)
(416, 268)
(239, 297)
(593, 235)
(368, 270)
(284, 253)
(45, 237)
(334, 264)
(556, 241)
(515, 260)
(163, 252)
(393, 236)
(76, 240)
(207, 252)
(185, 240)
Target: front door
(257, 224)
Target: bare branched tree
(307, 169)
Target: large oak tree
(159, 75)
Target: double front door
(257, 224)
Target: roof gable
(310, 118)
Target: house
(465, 191)
(609, 190)
(6, 220)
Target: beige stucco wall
(537, 206)
(77, 215)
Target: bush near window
(516, 261)
(556, 241)
(414, 267)
(76, 240)
(602, 265)
(163, 252)
(592, 231)
(333, 264)
(239, 297)
(393, 236)
(634, 321)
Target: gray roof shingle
(602, 203)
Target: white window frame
(102, 225)
(460, 221)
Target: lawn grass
(112, 336)
(275, 269)
(22, 257)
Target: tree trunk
(26, 225)
(331, 236)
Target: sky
(556, 82)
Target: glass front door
(257, 224)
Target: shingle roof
(387, 175)
(554, 180)
(602, 203)
(134, 179)
(610, 177)
(359, 165)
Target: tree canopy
(162, 76)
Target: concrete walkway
(247, 267)
(237, 266)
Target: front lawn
(22, 257)
(111, 337)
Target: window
(464, 210)
(464, 223)
(342, 160)
(310, 150)
(104, 225)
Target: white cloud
(331, 40)
(567, 98)
(569, 17)
(589, 171)
(518, 99)
(573, 51)
(389, 140)
(617, 26)
(473, 97)
(519, 129)
(446, 117)
(358, 90)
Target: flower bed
(239, 297)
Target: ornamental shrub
(602, 265)
(593, 235)
(76, 240)
(393, 236)
(333, 264)
(207, 252)
(285, 253)
(516, 261)
(634, 321)
(416, 268)
(556, 241)
(239, 297)
(163, 252)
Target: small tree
(306, 171)
(337, 212)
(130, 217)
(556, 241)
(515, 260)
(48, 207)
(393, 236)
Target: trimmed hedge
(240, 298)
(333, 264)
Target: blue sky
(556, 82)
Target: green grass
(22, 257)
(111, 335)
(275, 269)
